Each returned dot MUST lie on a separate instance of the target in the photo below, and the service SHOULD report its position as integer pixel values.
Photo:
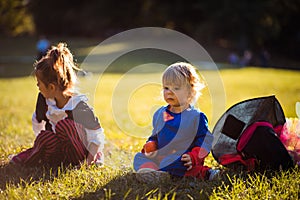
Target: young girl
(67, 130)
(180, 137)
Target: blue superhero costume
(177, 134)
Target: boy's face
(176, 95)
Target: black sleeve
(84, 115)
(41, 108)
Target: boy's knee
(141, 161)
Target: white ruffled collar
(55, 114)
(71, 104)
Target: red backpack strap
(278, 129)
(227, 159)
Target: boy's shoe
(213, 174)
(148, 175)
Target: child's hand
(96, 159)
(188, 161)
(90, 159)
(151, 154)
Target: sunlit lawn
(125, 104)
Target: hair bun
(54, 54)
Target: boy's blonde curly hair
(182, 73)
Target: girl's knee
(68, 128)
(65, 125)
(44, 136)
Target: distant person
(67, 131)
(180, 139)
(264, 57)
(246, 59)
(42, 47)
(233, 58)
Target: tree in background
(252, 24)
(15, 18)
(242, 24)
(84, 18)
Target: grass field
(125, 106)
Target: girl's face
(47, 92)
(176, 95)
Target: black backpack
(245, 136)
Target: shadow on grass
(17, 175)
(128, 187)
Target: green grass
(126, 134)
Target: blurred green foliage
(15, 18)
(232, 24)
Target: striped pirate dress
(63, 135)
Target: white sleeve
(37, 126)
(96, 136)
(298, 109)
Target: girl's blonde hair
(57, 67)
(184, 74)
